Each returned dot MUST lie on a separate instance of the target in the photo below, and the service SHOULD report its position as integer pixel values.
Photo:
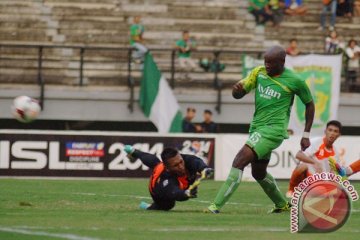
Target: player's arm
(301, 156)
(238, 91)
(309, 118)
(195, 162)
(241, 88)
(198, 165)
(172, 191)
(303, 91)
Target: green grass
(108, 209)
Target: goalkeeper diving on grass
(175, 178)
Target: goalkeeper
(175, 178)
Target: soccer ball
(25, 109)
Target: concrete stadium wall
(111, 104)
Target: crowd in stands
(272, 11)
(335, 44)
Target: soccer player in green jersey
(275, 88)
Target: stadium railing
(218, 83)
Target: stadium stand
(215, 24)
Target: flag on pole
(157, 100)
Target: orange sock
(296, 177)
(355, 166)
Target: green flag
(157, 99)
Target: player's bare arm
(309, 117)
(238, 91)
(302, 157)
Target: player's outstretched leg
(144, 156)
(144, 205)
(268, 184)
(227, 189)
(242, 159)
(163, 205)
(271, 189)
(297, 176)
(129, 149)
(353, 168)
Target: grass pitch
(108, 209)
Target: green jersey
(184, 44)
(135, 30)
(274, 97)
(259, 3)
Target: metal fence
(82, 55)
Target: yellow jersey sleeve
(249, 82)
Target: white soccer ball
(25, 109)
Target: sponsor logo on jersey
(268, 92)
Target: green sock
(271, 189)
(228, 188)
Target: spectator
(295, 7)
(187, 124)
(333, 43)
(357, 8)
(136, 40)
(293, 49)
(260, 10)
(208, 126)
(344, 8)
(353, 55)
(184, 47)
(329, 6)
(276, 7)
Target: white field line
(232, 229)
(144, 197)
(220, 229)
(25, 230)
(193, 200)
(57, 228)
(46, 234)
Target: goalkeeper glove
(191, 193)
(207, 173)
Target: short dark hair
(352, 40)
(208, 111)
(168, 153)
(185, 31)
(335, 123)
(293, 40)
(190, 109)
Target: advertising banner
(81, 154)
(99, 154)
